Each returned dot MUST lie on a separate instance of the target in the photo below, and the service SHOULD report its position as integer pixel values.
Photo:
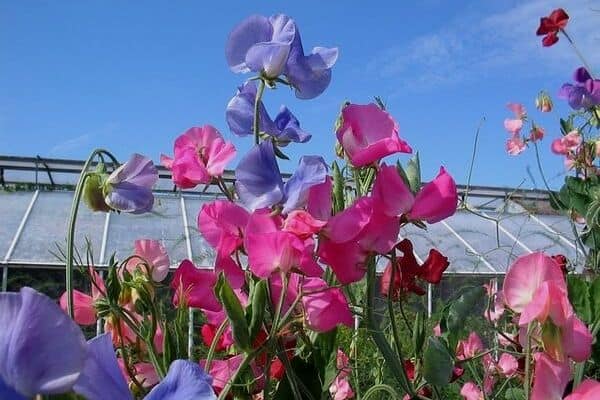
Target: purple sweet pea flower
(259, 183)
(42, 350)
(185, 380)
(101, 377)
(129, 187)
(272, 46)
(240, 118)
(585, 93)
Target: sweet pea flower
(367, 134)
(272, 46)
(469, 348)
(155, 254)
(200, 154)
(551, 25)
(407, 270)
(302, 224)
(222, 370)
(567, 144)
(435, 201)
(587, 390)
(129, 187)
(340, 389)
(43, 350)
(515, 145)
(536, 133)
(543, 102)
(550, 378)
(508, 364)
(470, 391)
(320, 199)
(185, 380)
(240, 118)
(195, 287)
(221, 223)
(324, 307)
(259, 183)
(84, 312)
(585, 93)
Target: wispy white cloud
(482, 43)
(80, 142)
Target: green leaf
(514, 394)
(462, 306)
(338, 188)
(580, 297)
(437, 363)
(566, 126)
(279, 153)
(418, 334)
(258, 303)
(113, 286)
(235, 314)
(413, 172)
(594, 291)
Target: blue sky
(131, 76)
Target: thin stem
(73, 220)
(246, 359)
(579, 54)
(527, 379)
(259, 94)
(472, 164)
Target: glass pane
(497, 248)
(12, 209)
(46, 228)
(164, 223)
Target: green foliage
(580, 297)
(235, 314)
(438, 362)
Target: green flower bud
(93, 195)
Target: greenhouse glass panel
(203, 254)
(164, 223)
(12, 209)
(46, 229)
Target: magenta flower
(240, 118)
(222, 224)
(324, 307)
(587, 390)
(272, 46)
(437, 200)
(129, 187)
(585, 93)
(567, 144)
(200, 154)
(367, 133)
(43, 350)
(195, 287)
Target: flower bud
(536, 133)
(92, 192)
(543, 102)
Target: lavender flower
(42, 350)
(259, 183)
(129, 187)
(272, 46)
(585, 93)
(240, 118)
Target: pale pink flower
(340, 389)
(518, 109)
(470, 391)
(84, 312)
(324, 307)
(470, 347)
(513, 126)
(566, 144)
(507, 364)
(152, 252)
(550, 378)
(515, 145)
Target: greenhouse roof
(36, 195)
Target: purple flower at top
(585, 93)
(272, 46)
(129, 187)
(42, 350)
(240, 118)
(259, 183)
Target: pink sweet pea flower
(324, 307)
(222, 224)
(518, 109)
(195, 287)
(273, 251)
(154, 253)
(587, 390)
(233, 272)
(367, 133)
(84, 312)
(497, 299)
(391, 193)
(342, 363)
(513, 126)
(550, 378)
(302, 224)
(470, 391)
(201, 153)
(469, 348)
(222, 371)
(507, 365)
(340, 389)
(145, 374)
(515, 145)
(437, 330)
(536, 133)
(567, 144)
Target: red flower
(407, 270)
(551, 25)
(208, 335)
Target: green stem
(71, 227)
(213, 345)
(581, 57)
(259, 94)
(527, 380)
(378, 336)
(246, 359)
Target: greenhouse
(499, 225)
